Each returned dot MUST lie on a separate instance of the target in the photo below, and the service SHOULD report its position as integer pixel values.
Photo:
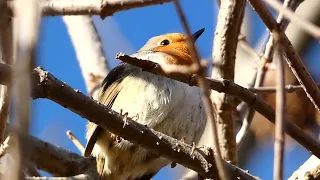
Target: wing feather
(111, 86)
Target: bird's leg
(124, 117)
(193, 148)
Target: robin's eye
(165, 42)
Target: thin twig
(312, 29)
(280, 116)
(75, 141)
(209, 107)
(27, 17)
(271, 89)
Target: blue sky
(126, 32)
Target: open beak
(197, 34)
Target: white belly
(165, 105)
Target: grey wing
(110, 88)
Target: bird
(166, 105)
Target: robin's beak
(197, 34)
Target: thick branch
(47, 86)
(54, 159)
(224, 53)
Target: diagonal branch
(235, 90)
(288, 14)
(75, 141)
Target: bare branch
(102, 8)
(224, 53)
(90, 55)
(270, 89)
(288, 14)
(54, 159)
(75, 141)
(209, 107)
(280, 116)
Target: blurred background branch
(27, 17)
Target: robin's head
(173, 44)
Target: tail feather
(100, 166)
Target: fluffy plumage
(166, 105)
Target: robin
(166, 105)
